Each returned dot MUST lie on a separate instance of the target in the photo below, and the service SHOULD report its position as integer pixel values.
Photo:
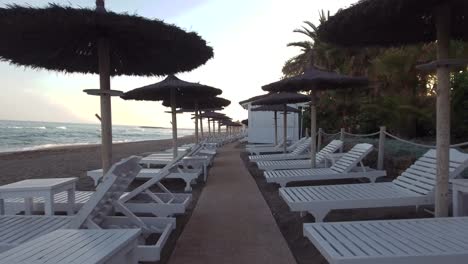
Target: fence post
(380, 158)
(319, 139)
(342, 135)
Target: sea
(33, 135)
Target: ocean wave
(41, 127)
(14, 127)
(48, 146)
(61, 127)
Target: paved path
(231, 222)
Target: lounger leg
(319, 215)
(188, 187)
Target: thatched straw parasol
(275, 109)
(283, 98)
(96, 41)
(403, 22)
(198, 104)
(314, 80)
(170, 89)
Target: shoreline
(72, 161)
(83, 145)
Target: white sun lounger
(188, 175)
(300, 152)
(162, 159)
(414, 187)
(270, 165)
(413, 241)
(90, 246)
(344, 168)
(256, 150)
(18, 229)
(161, 204)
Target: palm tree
(297, 64)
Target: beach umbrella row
(314, 80)
(197, 105)
(283, 99)
(275, 109)
(404, 22)
(96, 41)
(169, 90)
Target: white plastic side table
(46, 188)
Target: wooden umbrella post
(209, 127)
(214, 126)
(276, 127)
(201, 124)
(313, 127)
(174, 123)
(443, 111)
(219, 127)
(104, 82)
(285, 128)
(196, 122)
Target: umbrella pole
(196, 122)
(285, 128)
(174, 124)
(214, 126)
(209, 127)
(276, 127)
(219, 128)
(106, 115)
(201, 124)
(104, 82)
(443, 112)
(313, 127)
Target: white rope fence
(381, 146)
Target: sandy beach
(71, 161)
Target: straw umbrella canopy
(96, 41)
(314, 80)
(275, 109)
(170, 89)
(283, 99)
(199, 104)
(403, 22)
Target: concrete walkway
(231, 222)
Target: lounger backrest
(351, 158)
(114, 183)
(332, 147)
(296, 144)
(301, 148)
(421, 176)
(195, 149)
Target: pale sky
(249, 38)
